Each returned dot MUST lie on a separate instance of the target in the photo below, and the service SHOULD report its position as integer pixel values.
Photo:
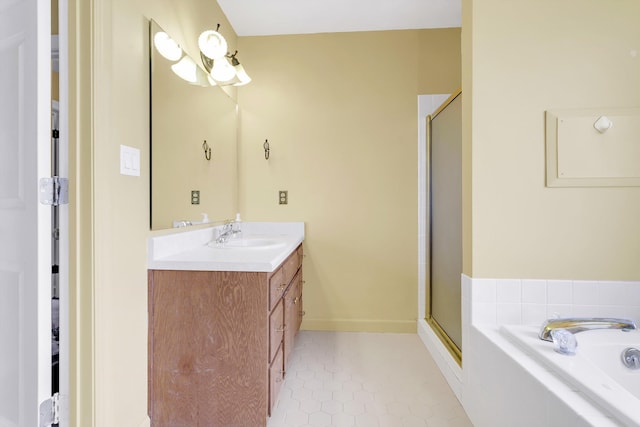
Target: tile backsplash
(524, 301)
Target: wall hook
(266, 149)
(207, 150)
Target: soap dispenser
(237, 226)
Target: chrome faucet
(579, 324)
(228, 231)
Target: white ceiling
(271, 17)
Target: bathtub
(596, 370)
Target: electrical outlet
(195, 197)
(283, 197)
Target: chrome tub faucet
(579, 324)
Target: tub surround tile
(558, 310)
(508, 291)
(559, 292)
(622, 311)
(496, 301)
(634, 292)
(484, 313)
(509, 314)
(534, 291)
(586, 293)
(484, 291)
(586, 311)
(612, 293)
(532, 313)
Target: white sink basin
(249, 243)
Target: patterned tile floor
(364, 380)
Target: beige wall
(340, 113)
(109, 211)
(523, 58)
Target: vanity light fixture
(241, 74)
(166, 46)
(189, 71)
(212, 44)
(224, 68)
(185, 69)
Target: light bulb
(212, 44)
(166, 46)
(186, 69)
(222, 71)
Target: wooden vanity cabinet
(219, 343)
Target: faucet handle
(564, 342)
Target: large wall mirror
(183, 116)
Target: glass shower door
(444, 133)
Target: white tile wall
(525, 301)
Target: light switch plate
(129, 161)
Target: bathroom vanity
(222, 321)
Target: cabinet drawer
(276, 378)
(292, 264)
(276, 329)
(277, 286)
(280, 280)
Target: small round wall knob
(603, 124)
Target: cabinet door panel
(276, 329)
(292, 302)
(276, 378)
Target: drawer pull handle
(295, 300)
(281, 377)
(302, 313)
(282, 328)
(282, 287)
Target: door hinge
(54, 191)
(50, 411)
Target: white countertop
(196, 249)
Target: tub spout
(577, 324)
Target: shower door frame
(429, 107)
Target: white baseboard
(359, 325)
(450, 369)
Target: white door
(25, 229)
